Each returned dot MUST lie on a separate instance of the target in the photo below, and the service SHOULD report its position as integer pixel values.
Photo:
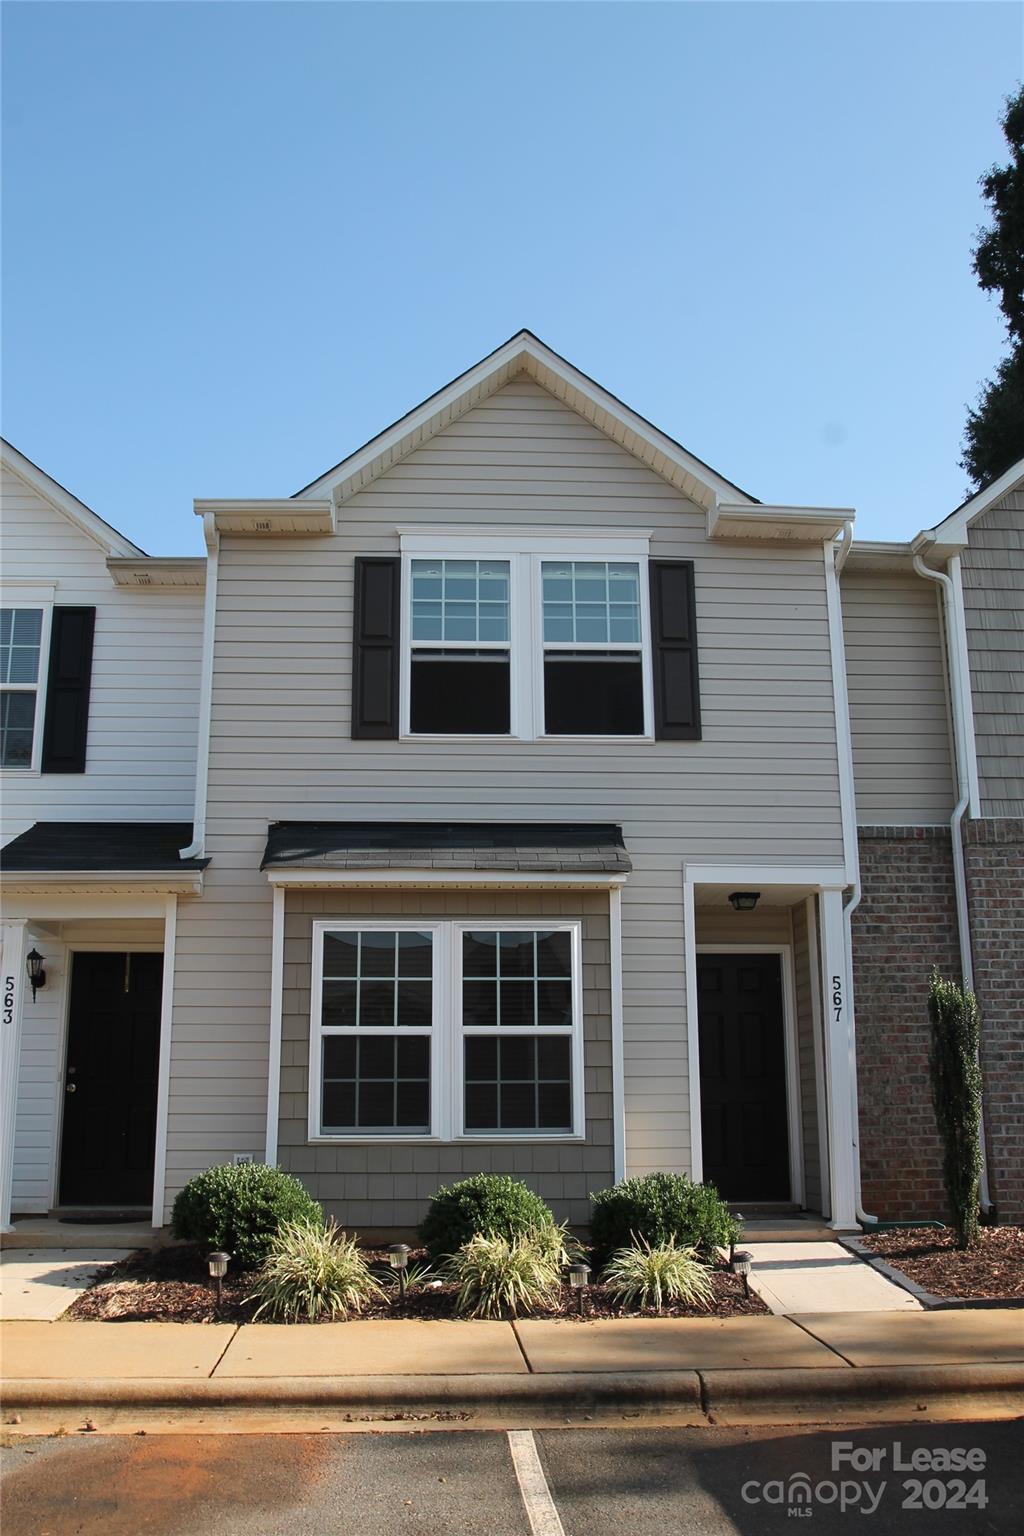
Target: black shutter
(375, 637)
(674, 641)
(66, 724)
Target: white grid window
(591, 602)
(21, 639)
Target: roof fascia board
(414, 878)
(189, 882)
(61, 499)
(523, 352)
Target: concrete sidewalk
(799, 1277)
(853, 1367)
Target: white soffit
(881, 557)
(525, 353)
(794, 525)
(949, 536)
(158, 572)
(270, 517)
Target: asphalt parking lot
(599, 1482)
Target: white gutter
(197, 847)
(835, 559)
(963, 779)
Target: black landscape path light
(742, 1263)
(398, 1258)
(578, 1274)
(217, 1264)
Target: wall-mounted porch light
(36, 974)
(744, 901)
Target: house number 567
(837, 996)
(8, 1000)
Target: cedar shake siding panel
(406, 1174)
(899, 709)
(762, 783)
(993, 583)
(144, 691)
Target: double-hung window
(446, 1030)
(460, 663)
(593, 648)
(372, 1051)
(21, 645)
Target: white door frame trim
(163, 1081)
(791, 1050)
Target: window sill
(20, 773)
(515, 1138)
(558, 740)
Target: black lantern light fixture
(578, 1276)
(398, 1258)
(744, 901)
(742, 1262)
(217, 1263)
(36, 974)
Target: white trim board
(456, 879)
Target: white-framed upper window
(526, 638)
(446, 1030)
(23, 644)
(460, 665)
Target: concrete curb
(854, 1394)
(799, 1394)
(928, 1299)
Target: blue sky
(241, 238)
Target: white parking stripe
(533, 1485)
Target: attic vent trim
(262, 525)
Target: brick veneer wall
(905, 924)
(994, 856)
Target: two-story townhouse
(934, 635)
(100, 652)
(526, 830)
(522, 736)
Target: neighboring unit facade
(496, 730)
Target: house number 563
(837, 996)
(8, 1000)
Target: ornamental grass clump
(311, 1273)
(956, 1095)
(646, 1275)
(504, 1276)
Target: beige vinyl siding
(993, 582)
(144, 699)
(899, 711)
(761, 785)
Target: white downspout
(197, 846)
(959, 702)
(835, 559)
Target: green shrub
(488, 1203)
(658, 1207)
(647, 1276)
(956, 1095)
(504, 1276)
(240, 1209)
(313, 1272)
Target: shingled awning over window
(98, 847)
(487, 846)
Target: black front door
(743, 1076)
(110, 1080)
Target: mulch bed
(170, 1285)
(995, 1269)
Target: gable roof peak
(60, 498)
(524, 352)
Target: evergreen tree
(994, 436)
